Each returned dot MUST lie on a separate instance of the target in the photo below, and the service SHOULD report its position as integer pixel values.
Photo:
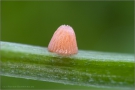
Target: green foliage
(99, 25)
(87, 68)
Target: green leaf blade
(88, 68)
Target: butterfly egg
(63, 41)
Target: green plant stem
(88, 68)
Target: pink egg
(63, 41)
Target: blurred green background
(106, 26)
